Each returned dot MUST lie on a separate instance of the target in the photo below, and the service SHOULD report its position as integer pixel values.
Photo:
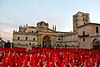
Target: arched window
(83, 33)
(33, 39)
(26, 38)
(32, 31)
(29, 43)
(84, 39)
(97, 31)
(57, 44)
(58, 38)
(18, 38)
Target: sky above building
(14, 13)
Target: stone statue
(29, 48)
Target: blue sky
(14, 13)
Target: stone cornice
(25, 40)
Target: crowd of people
(45, 57)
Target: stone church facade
(85, 34)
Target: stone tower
(42, 26)
(80, 19)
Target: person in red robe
(62, 64)
(48, 64)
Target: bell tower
(42, 26)
(80, 19)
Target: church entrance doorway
(47, 41)
(96, 44)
